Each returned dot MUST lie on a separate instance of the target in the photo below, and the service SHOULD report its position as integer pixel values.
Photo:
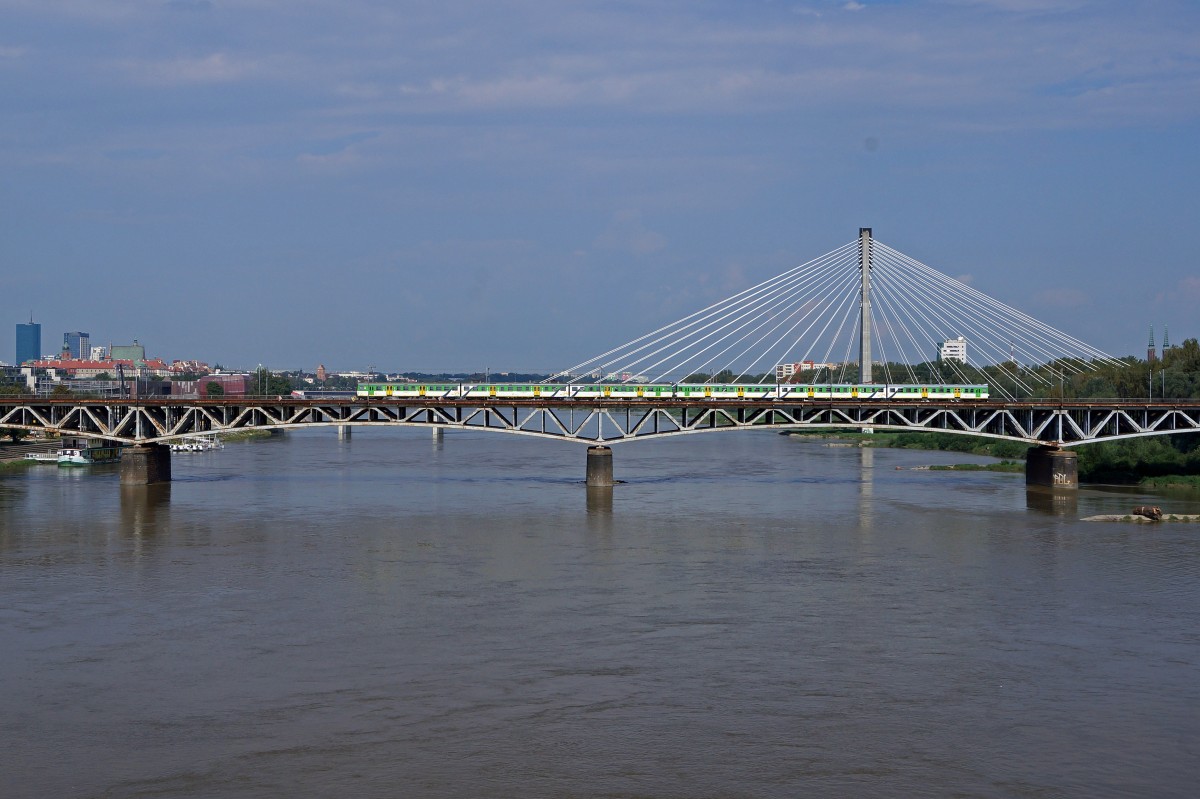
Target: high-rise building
(77, 344)
(29, 341)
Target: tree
(61, 390)
(266, 382)
(13, 433)
(214, 389)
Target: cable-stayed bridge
(861, 337)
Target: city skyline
(524, 185)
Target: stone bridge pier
(146, 464)
(1052, 467)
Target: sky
(523, 185)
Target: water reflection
(866, 487)
(599, 509)
(1052, 501)
(145, 509)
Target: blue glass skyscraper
(29, 342)
(78, 344)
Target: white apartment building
(954, 349)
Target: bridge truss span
(591, 421)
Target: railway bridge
(1050, 428)
(862, 299)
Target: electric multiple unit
(715, 391)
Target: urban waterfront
(749, 615)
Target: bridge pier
(599, 467)
(438, 433)
(1052, 467)
(146, 464)
(343, 432)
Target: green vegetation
(949, 442)
(9, 467)
(1185, 482)
(245, 435)
(1130, 460)
(1015, 467)
(264, 382)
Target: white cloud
(626, 232)
(213, 68)
(1189, 287)
(1062, 298)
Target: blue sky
(520, 185)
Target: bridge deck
(154, 419)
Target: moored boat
(87, 451)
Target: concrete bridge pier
(438, 433)
(599, 467)
(1052, 467)
(146, 464)
(343, 432)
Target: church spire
(1151, 356)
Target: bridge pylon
(864, 329)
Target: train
(716, 391)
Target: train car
(643, 391)
(408, 390)
(520, 390)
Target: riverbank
(1099, 464)
(245, 435)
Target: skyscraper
(29, 341)
(78, 344)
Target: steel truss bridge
(1040, 422)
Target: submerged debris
(1138, 518)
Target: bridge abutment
(146, 464)
(1052, 467)
(599, 467)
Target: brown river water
(749, 615)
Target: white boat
(86, 451)
(197, 445)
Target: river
(749, 615)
